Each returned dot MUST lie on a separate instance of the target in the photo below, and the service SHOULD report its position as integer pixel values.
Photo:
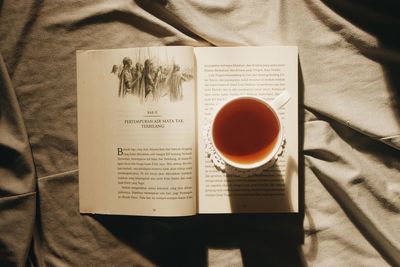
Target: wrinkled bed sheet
(349, 62)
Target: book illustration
(150, 79)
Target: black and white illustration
(149, 76)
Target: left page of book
(136, 131)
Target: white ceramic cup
(273, 106)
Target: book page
(225, 72)
(136, 131)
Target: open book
(141, 117)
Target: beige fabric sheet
(349, 64)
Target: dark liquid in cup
(245, 131)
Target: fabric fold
(17, 179)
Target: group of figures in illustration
(148, 81)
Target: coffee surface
(245, 131)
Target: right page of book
(225, 72)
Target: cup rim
(270, 155)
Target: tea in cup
(247, 132)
